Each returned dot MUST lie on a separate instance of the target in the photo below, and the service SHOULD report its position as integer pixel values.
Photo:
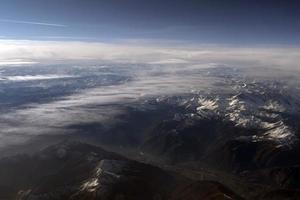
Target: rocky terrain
(81, 171)
(235, 138)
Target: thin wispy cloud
(31, 23)
(66, 38)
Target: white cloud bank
(33, 78)
(46, 52)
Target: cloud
(96, 105)
(47, 52)
(31, 23)
(16, 62)
(155, 70)
(33, 78)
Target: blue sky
(202, 21)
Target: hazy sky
(203, 21)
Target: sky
(237, 22)
(150, 31)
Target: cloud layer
(156, 69)
(47, 52)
